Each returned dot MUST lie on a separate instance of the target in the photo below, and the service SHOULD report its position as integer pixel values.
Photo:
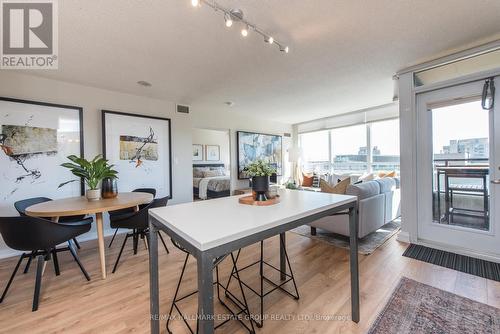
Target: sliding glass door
(459, 161)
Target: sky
(461, 121)
(348, 140)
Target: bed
(210, 181)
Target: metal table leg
(353, 245)
(205, 294)
(154, 302)
(282, 256)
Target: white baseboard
(403, 236)
(7, 252)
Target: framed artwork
(253, 146)
(213, 153)
(197, 152)
(35, 139)
(140, 147)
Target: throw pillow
(391, 174)
(339, 188)
(307, 180)
(213, 173)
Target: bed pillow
(213, 173)
(198, 171)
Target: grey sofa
(378, 204)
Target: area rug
(466, 264)
(366, 245)
(419, 308)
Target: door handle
(497, 181)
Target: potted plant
(92, 172)
(260, 171)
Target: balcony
(461, 192)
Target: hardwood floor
(120, 304)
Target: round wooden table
(75, 206)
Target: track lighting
(228, 19)
(244, 31)
(236, 16)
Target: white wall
(233, 121)
(213, 137)
(93, 100)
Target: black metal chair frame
(276, 286)
(124, 211)
(135, 235)
(43, 256)
(241, 305)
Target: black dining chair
(138, 222)
(21, 207)
(119, 214)
(40, 237)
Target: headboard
(208, 165)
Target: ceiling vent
(183, 109)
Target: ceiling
(342, 57)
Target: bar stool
(242, 306)
(285, 278)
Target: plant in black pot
(260, 171)
(92, 172)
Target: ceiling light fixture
(244, 31)
(228, 19)
(144, 83)
(284, 49)
(236, 15)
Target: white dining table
(209, 229)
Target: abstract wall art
(197, 152)
(140, 148)
(258, 146)
(35, 138)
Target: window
(316, 151)
(354, 149)
(385, 145)
(349, 149)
